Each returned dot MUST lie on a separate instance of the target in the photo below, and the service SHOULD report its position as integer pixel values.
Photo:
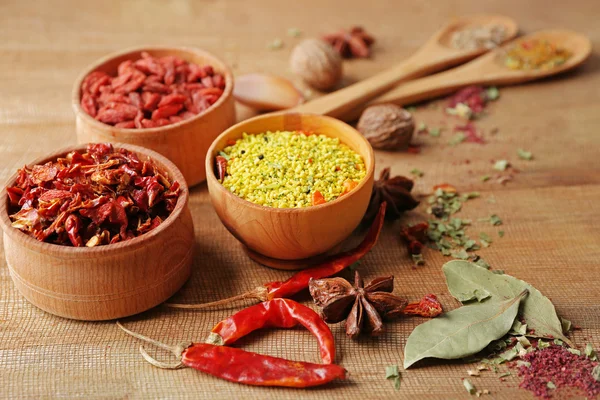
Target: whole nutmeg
(317, 63)
(387, 126)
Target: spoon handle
(342, 101)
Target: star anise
(395, 191)
(355, 43)
(363, 307)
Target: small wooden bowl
(292, 233)
(186, 142)
(103, 282)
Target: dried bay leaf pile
(495, 304)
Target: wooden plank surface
(550, 210)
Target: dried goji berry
(173, 98)
(126, 124)
(89, 104)
(208, 82)
(136, 99)
(113, 113)
(155, 87)
(166, 111)
(150, 100)
(146, 123)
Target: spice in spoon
(237, 365)
(536, 54)
(300, 280)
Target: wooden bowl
(186, 142)
(103, 282)
(292, 233)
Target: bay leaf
(461, 332)
(464, 278)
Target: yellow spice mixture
(291, 169)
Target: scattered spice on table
(417, 172)
(237, 365)
(395, 191)
(300, 280)
(352, 43)
(275, 44)
(501, 165)
(97, 196)
(524, 154)
(151, 92)
(478, 37)
(469, 386)
(313, 169)
(392, 372)
(471, 101)
(560, 367)
(536, 54)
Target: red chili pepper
(428, 307)
(221, 167)
(236, 365)
(240, 366)
(299, 281)
(277, 313)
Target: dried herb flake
(501, 165)
(469, 386)
(524, 155)
(417, 172)
(392, 372)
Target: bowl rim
(76, 91)
(210, 173)
(70, 251)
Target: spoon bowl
(489, 69)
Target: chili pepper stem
(260, 294)
(157, 363)
(176, 350)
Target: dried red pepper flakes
(94, 197)
(237, 365)
(151, 92)
(299, 281)
(429, 307)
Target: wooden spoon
(488, 69)
(435, 55)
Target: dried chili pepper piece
(221, 167)
(429, 307)
(276, 313)
(300, 280)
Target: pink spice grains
(564, 369)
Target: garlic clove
(265, 92)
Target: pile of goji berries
(151, 92)
(89, 198)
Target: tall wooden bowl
(292, 233)
(103, 282)
(186, 142)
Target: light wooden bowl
(103, 282)
(292, 233)
(186, 142)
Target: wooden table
(550, 209)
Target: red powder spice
(473, 96)
(470, 132)
(557, 365)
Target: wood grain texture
(292, 233)
(183, 142)
(104, 282)
(550, 210)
